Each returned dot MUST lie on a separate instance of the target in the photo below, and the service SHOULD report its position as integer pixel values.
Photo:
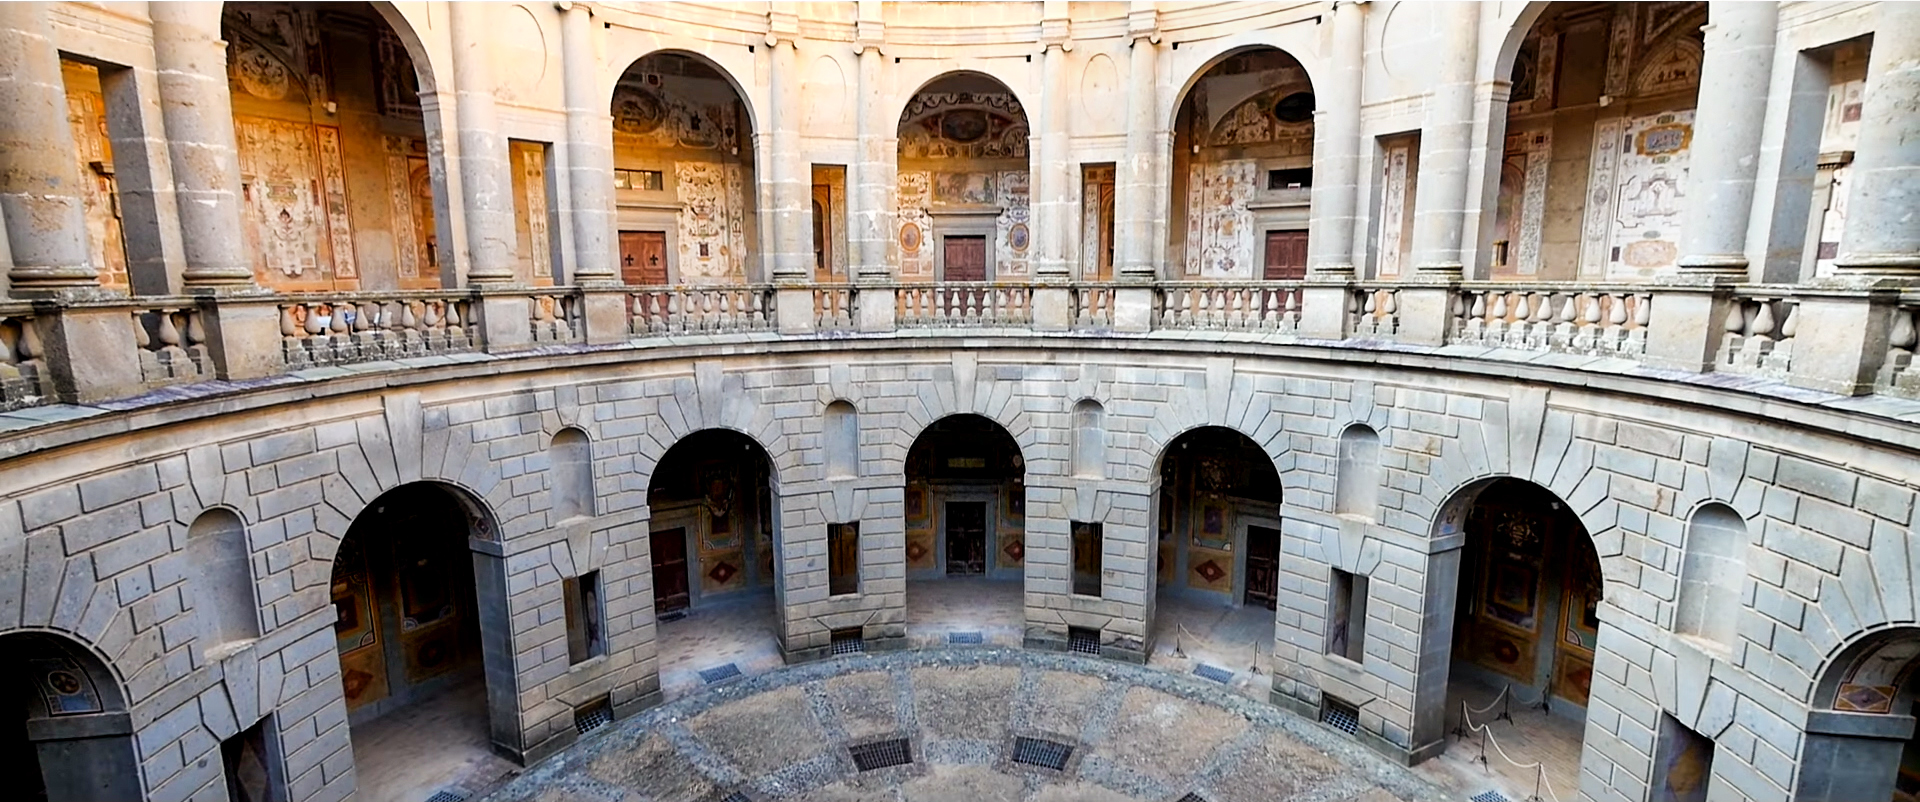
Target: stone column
(1336, 150)
(589, 148)
(39, 180)
(786, 164)
(1737, 67)
(1446, 143)
(871, 181)
(1882, 237)
(1134, 180)
(486, 182)
(197, 110)
(1051, 193)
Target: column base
(608, 320)
(243, 335)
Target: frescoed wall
(1243, 159)
(681, 124)
(963, 171)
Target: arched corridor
(966, 544)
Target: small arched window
(217, 550)
(570, 467)
(1089, 439)
(1711, 575)
(842, 441)
(1357, 483)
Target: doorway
(1263, 566)
(966, 531)
(670, 570)
(965, 258)
(1286, 256)
(643, 258)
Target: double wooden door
(670, 570)
(966, 525)
(965, 258)
(643, 258)
(1286, 256)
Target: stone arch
(914, 422)
(984, 71)
(703, 491)
(1859, 725)
(1212, 53)
(79, 731)
(1218, 499)
(624, 57)
(427, 71)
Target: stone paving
(1137, 733)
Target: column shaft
(1133, 201)
(1882, 236)
(873, 176)
(486, 185)
(197, 110)
(1446, 142)
(589, 150)
(791, 256)
(1051, 195)
(1336, 150)
(39, 180)
(1738, 67)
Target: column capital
(782, 26)
(869, 34)
(564, 6)
(1143, 23)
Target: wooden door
(670, 570)
(966, 537)
(1263, 566)
(643, 258)
(966, 258)
(1286, 255)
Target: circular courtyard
(977, 725)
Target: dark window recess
(1347, 616)
(1083, 640)
(1294, 108)
(593, 715)
(848, 641)
(1086, 558)
(881, 754)
(1193, 797)
(843, 559)
(1291, 178)
(1340, 715)
(245, 759)
(585, 632)
(1041, 752)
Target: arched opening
(966, 520)
(963, 183)
(1592, 172)
(1243, 170)
(337, 187)
(1861, 742)
(408, 628)
(684, 174)
(713, 529)
(1526, 620)
(1217, 554)
(68, 735)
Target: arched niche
(841, 439)
(1089, 455)
(570, 481)
(223, 587)
(1711, 575)
(1357, 477)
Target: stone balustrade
(345, 329)
(1589, 320)
(1751, 331)
(658, 311)
(23, 376)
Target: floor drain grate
(671, 615)
(448, 795)
(1340, 715)
(1082, 640)
(737, 796)
(718, 673)
(1193, 797)
(591, 716)
(881, 754)
(965, 638)
(848, 641)
(1041, 752)
(1215, 673)
(1488, 796)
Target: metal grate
(592, 716)
(1488, 796)
(1193, 797)
(965, 638)
(737, 796)
(848, 641)
(1041, 752)
(1215, 673)
(720, 672)
(1342, 716)
(1083, 640)
(448, 795)
(881, 754)
(671, 615)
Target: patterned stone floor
(1136, 732)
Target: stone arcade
(395, 395)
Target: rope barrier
(1486, 736)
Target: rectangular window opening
(246, 757)
(1347, 615)
(648, 180)
(1682, 762)
(843, 559)
(1291, 178)
(1086, 558)
(586, 638)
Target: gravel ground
(1136, 733)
